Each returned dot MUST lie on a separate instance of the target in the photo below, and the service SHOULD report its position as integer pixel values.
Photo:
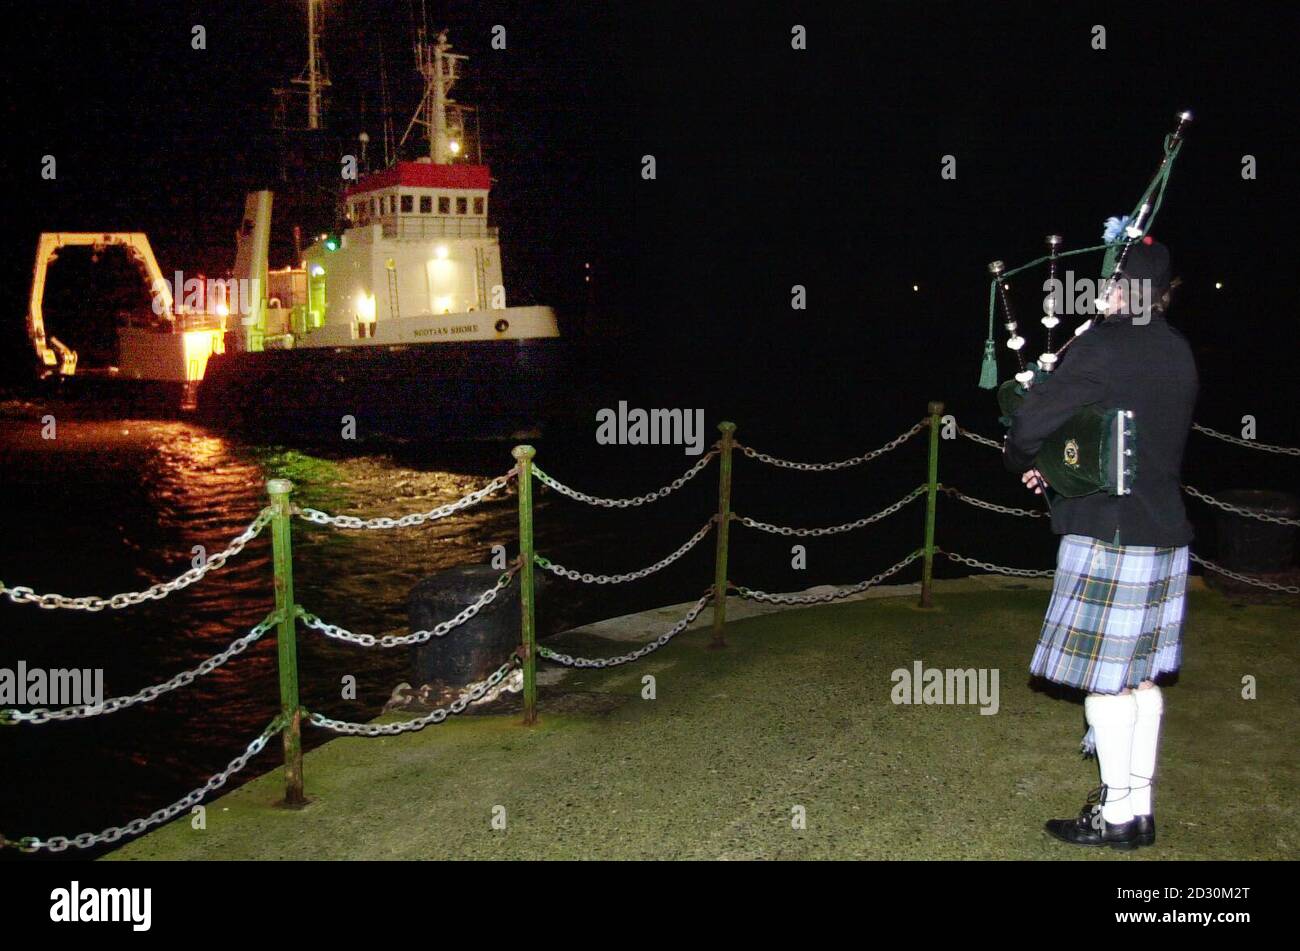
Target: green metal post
(932, 486)
(524, 457)
(286, 639)
(728, 431)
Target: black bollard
(1250, 544)
(473, 650)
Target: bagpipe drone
(1094, 450)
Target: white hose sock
(1112, 718)
(1146, 741)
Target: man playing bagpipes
(1114, 622)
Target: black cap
(1148, 260)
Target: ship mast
(438, 67)
(314, 79)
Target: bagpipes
(1094, 450)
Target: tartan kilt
(1116, 615)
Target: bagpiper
(1114, 622)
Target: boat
(393, 324)
(397, 324)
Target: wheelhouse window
(426, 204)
(462, 206)
(478, 206)
(444, 205)
(408, 204)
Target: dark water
(116, 505)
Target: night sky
(775, 167)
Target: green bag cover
(1082, 457)
(1109, 258)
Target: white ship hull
(510, 323)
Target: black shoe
(1081, 831)
(1146, 829)
(1090, 828)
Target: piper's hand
(1033, 479)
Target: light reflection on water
(113, 506)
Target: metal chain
(441, 629)
(752, 595)
(588, 578)
(184, 678)
(991, 506)
(999, 569)
(602, 662)
(472, 692)
(1047, 573)
(654, 496)
(21, 594)
(60, 843)
(513, 682)
(831, 529)
(407, 521)
(1238, 510)
(830, 466)
(1249, 443)
(982, 440)
(1247, 579)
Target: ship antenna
(384, 105)
(437, 65)
(314, 76)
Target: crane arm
(49, 350)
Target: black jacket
(1148, 369)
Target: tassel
(1089, 745)
(989, 368)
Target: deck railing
(412, 227)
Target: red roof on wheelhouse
(425, 175)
